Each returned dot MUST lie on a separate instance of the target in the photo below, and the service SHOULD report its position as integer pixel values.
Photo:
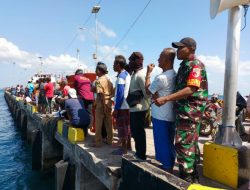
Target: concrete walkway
(103, 157)
(202, 140)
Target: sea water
(15, 158)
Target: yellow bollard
(34, 109)
(75, 134)
(200, 187)
(221, 164)
(60, 126)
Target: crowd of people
(176, 102)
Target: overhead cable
(77, 33)
(128, 30)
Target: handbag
(134, 98)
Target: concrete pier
(77, 165)
(38, 131)
(83, 167)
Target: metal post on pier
(228, 135)
(95, 10)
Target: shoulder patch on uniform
(196, 72)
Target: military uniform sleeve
(194, 77)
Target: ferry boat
(42, 75)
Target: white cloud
(10, 53)
(213, 63)
(62, 63)
(216, 68)
(20, 60)
(27, 63)
(108, 52)
(244, 68)
(107, 31)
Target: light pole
(227, 134)
(78, 57)
(41, 62)
(95, 10)
(77, 54)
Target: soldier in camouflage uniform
(190, 96)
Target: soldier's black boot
(181, 171)
(188, 177)
(195, 175)
(185, 176)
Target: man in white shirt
(163, 116)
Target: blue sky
(45, 28)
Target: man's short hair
(63, 83)
(43, 80)
(171, 53)
(102, 67)
(120, 59)
(135, 56)
(79, 71)
(48, 79)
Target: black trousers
(49, 101)
(137, 125)
(88, 106)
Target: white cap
(72, 93)
(215, 95)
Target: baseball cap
(72, 93)
(215, 95)
(188, 42)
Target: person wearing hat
(191, 97)
(104, 89)
(77, 114)
(214, 98)
(139, 103)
